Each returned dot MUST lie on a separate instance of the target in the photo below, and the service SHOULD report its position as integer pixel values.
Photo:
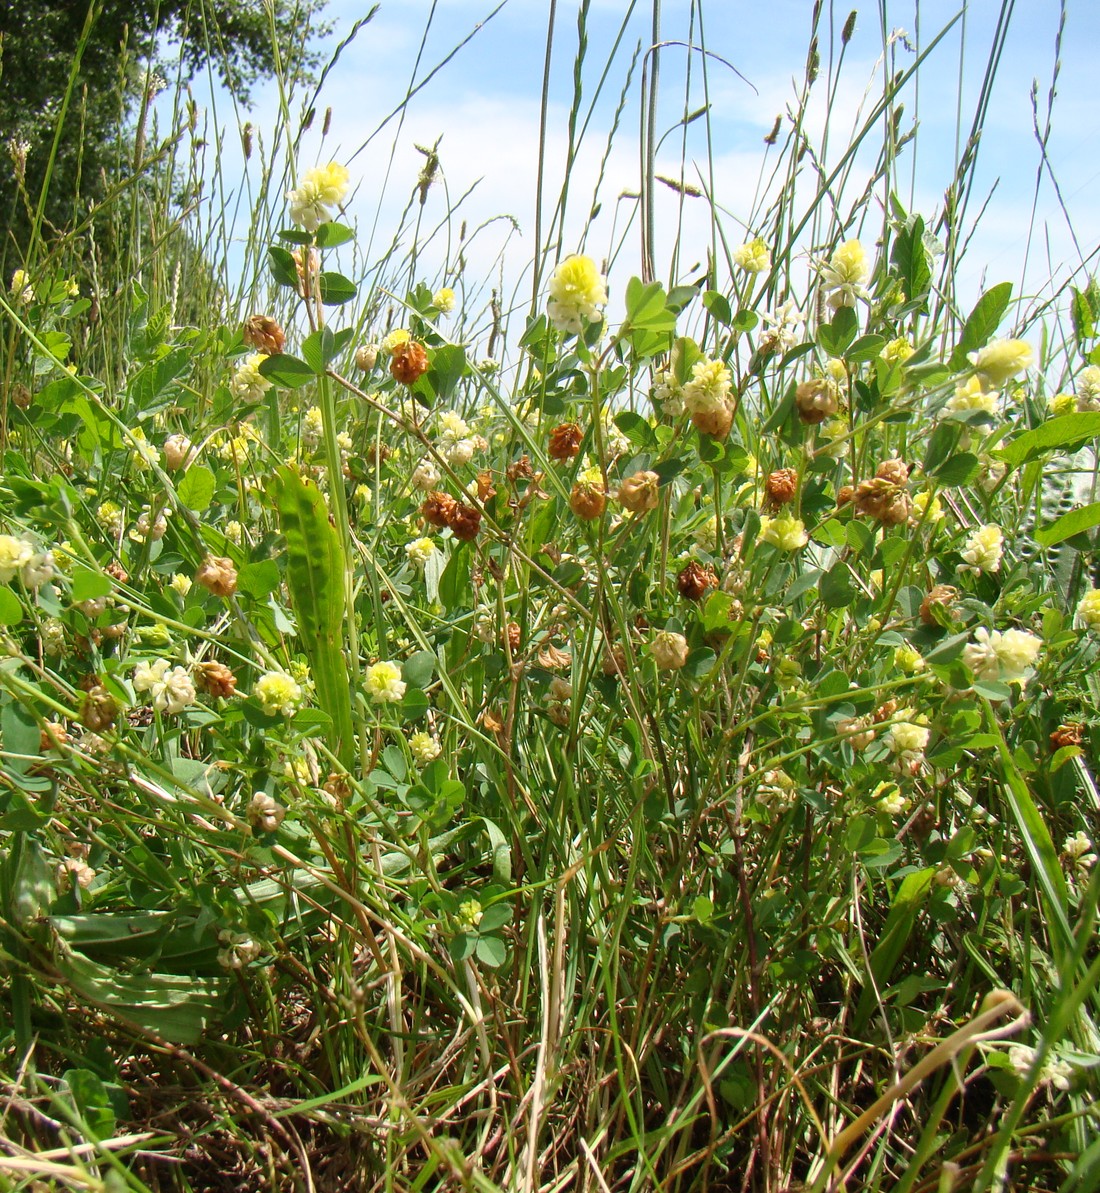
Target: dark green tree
(114, 44)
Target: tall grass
(760, 903)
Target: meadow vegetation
(642, 738)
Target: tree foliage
(85, 67)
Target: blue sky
(483, 109)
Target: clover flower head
(424, 748)
(278, 693)
(1088, 610)
(709, 387)
(1079, 851)
(668, 394)
(425, 476)
(784, 532)
(384, 683)
(1088, 389)
(312, 426)
(320, 189)
(248, 384)
(142, 452)
(845, 274)
(669, 650)
(21, 289)
(897, 351)
(972, 395)
(444, 300)
(753, 256)
(15, 554)
(578, 291)
(1054, 1072)
(420, 551)
(1000, 361)
(984, 549)
(1063, 404)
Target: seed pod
(565, 441)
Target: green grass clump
(640, 741)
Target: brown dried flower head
(486, 490)
(264, 334)
(613, 660)
(942, 596)
(409, 362)
(694, 581)
(218, 575)
(512, 636)
(20, 396)
(98, 710)
(366, 357)
(845, 495)
(816, 400)
(883, 500)
(640, 492)
(553, 658)
(438, 509)
(216, 679)
(587, 501)
(1069, 733)
(780, 487)
(716, 422)
(465, 522)
(894, 471)
(565, 441)
(519, 469)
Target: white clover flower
(991, 472)
(452, 427)
(279, 693)
(1079, 852)
(1088, 389)
(15, 555)
(578, 291)
(752, 256)
(319, 189)
(984, 549)
(384, 683)
(238, 949)
(312, 426)
(844, 276)
(176, 693)
(784, 532)
(21, 290)
(424, 747)
(668, 395)
(709, 387)
(420, 551)
(906, 734)
(780, 328)
(425, 476)
(1088, 610)
(248, 384)
(461, 452)
(971, 395)
(1054, 1072)
(444, 300)
(264, 813)
(1002, 360)
(39, 569)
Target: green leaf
(983, 321)
(91, 1102)
(196, 490)
(745, 321)
(1084, 323)
(336, 289)
(19, 728)
(940, 445)
(909, 258)
(956, 470)
(331, 234)
(11, 608)
(318, 349)
(448, 366)
(1065, 433)
(259, 579)
(719, 306)
(837, 589)
(282, 267)
(1075, 522)
(865, 348)
(315, 577)
(491, 951)
(88, 585)
(834, 338)
(286, 371)
(419, 668)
